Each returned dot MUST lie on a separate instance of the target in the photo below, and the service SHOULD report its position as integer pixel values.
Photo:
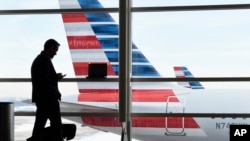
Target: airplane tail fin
(94, 38)
(183, 72)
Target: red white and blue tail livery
(183, 72)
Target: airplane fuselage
(181, 128)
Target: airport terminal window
(208, 43)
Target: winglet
(183, 72)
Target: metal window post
(125, 68)
(6, 121)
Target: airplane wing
(76, 112)
(71, 111)
(67, 109)
(74, 109)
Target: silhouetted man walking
(45, 92)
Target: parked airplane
(93, 37)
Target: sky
(209, 43)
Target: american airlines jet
(93, 38)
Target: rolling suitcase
(69, 131)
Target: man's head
(51, 47)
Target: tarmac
(24, 125)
